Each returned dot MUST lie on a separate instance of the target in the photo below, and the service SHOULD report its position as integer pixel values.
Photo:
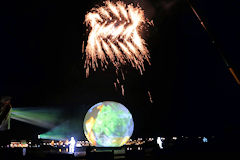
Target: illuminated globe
(108, 124)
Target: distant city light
(52, 143)
(78, 144)
(174, 138)
(133, 144)
(205, 140)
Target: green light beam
(42, 117)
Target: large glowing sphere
(108, 124)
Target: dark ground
(192, 90)
(150, 152)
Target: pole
(213, 41)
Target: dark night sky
(193, 92)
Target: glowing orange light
(100, 107)
(90, 135)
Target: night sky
(193, 92)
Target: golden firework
(115, 37)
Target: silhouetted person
(5, 113)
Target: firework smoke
(114, 37)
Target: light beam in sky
(42, 117)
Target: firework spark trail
(115, 36)
(122, 87)
(83, 47)
(150, 97)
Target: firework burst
(114, 36)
